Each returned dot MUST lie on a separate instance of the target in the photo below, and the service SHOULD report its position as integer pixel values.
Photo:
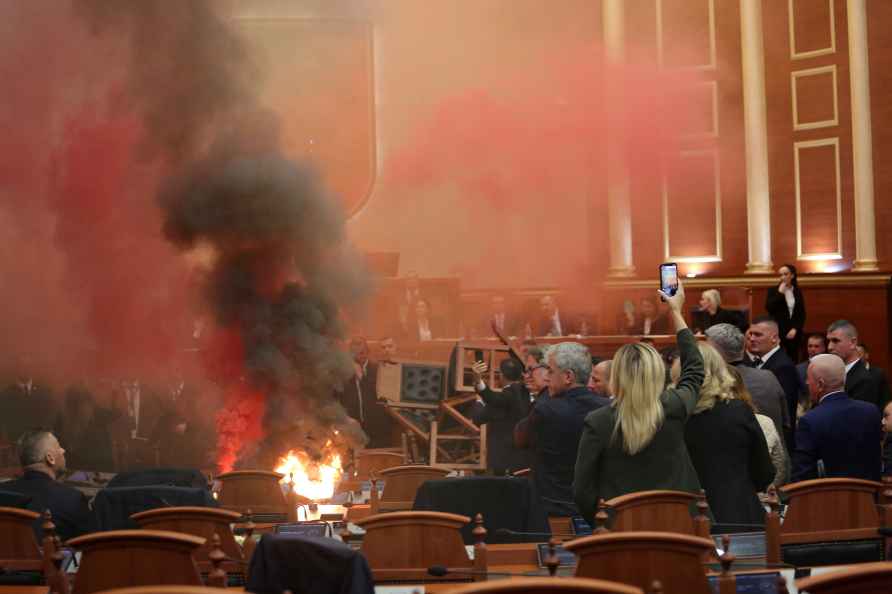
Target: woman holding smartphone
(637, 443)
(784, 303)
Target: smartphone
(669, 278)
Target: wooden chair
(258, 491)
(401, 484)
(19, 550)
(539, 585)
(122, 558)
(372, 462)
(830, 511)
(204, 522)
(640, 558)
(400, 546)
(868, 578)
(659, 510)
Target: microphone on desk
(442, 570)
(508, 532)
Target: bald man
(839, 431)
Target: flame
(313, 480)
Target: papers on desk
(419, 589)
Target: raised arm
(688, 387)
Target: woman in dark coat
(785, 304)
(637, 443)
(728, 448)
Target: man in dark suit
(43, 460)
(498, 317)
(842, 341)
(764, 351)
(501, 412)
(887, 440)
(359, 397)
(762, 385)
(841, 433)
(552, 322)
(555, 426)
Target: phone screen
(669, 278)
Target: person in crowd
(43, 462)
(499, 319)
(552, 322)
(784, 303)
(764, 352)
(711, 312)
(599, 382)
(86, 428)
(815, 344)
(359, 396)
(887, 440)
(761, 384)
(647, 321)
(502, 411)
(388, 350)
(423, 326)
(776, 448)
(24, 404)
(669, 354)
(554, 426)
(535, 376)
(408, 300)
(727, 446)
(860, 384)
(841, 435)
(879, 376)
(637, 443)
(181, 443)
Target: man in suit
(555, 426)
(552, 322)
(816, 344)
(764, 351)
(359, 396)
(501, 412)
(887, 440)
(599, 382)
(43, 461)
(500, 318)
(766, 391)
(842, 433)
(842, 341)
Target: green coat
(605, 470)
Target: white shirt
(764, 357)
(850, 365)
(424, 330)
(829, 394)
(791, 299)
(646, 329)
(556, 329)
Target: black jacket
(502, 412)
(784, 370)
(704, 320)
(360, 400)
(69, 508)
(867, 385)
(605, 470)
(776, 305)
(731, 457)
(555, 427)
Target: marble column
(758, 195)
(862, 140)
(618, 207)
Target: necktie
(757, 362)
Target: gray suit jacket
(768, 395)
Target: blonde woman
(727, 447)
(711, 312)
(637, 443)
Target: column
(758, 198)
(862, 140)
(618, 209)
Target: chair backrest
(640, 558)
(374, 461)
(659, 510)
(402, 482)
(867, 578)
(198, 521)
(123, 558)
(550, 585)
(838, 504)
(255, 490)
(833, 521)
(401, 546)
(18, 545)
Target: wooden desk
(24, 589)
